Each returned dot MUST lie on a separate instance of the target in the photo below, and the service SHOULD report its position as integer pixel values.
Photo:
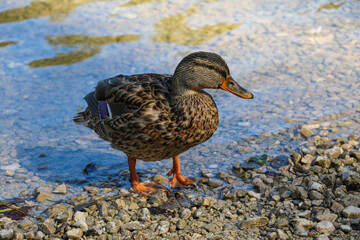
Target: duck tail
(91, 112)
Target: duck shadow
(80, 166)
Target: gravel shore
(313, 192)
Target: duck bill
(233, 87)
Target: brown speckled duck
(152, 117)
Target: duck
(153, 117)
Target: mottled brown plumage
(156, 116)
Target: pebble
(60, 189)
(330, 217)
(75, 233)
(6, 233)
(345, 228)
(324, 227)
(351, 212)
(254, 222)
(161, 179)
(48, 226)
(215, 182)
(306, 132)
(254, 194)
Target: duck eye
(231, 83)
(211, 67)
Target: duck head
(201, 70)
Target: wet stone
(306, 132)
(160, 179)
(215, 182)
(60, 189)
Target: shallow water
(300, 60)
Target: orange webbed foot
(147, 189)
(179, 180)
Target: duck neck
(181, 88)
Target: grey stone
(325, 227)
(351, 212)
(158, 198)
(39, 235)
(199, 213)
(351, 180)
(112, 227)
(81, 224)
(316, 186)
(345, 228)
(299, 193)
(180, 224)
(185, 213)
(323, 161)
(302, 232)
(134, 225)
(6, 234)
(215, 182)
(161, 179)
(315, 195)
(75, 233)
(60, 189)
(208, 201)
(144, 215)
(330, 217)
(48, 226)
(254, 222)
(79, 216)
(281, 234)
(281, 223)
(302, 223)
(334, 152)
(119, 203)
(163, 227)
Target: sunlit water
(299, 58)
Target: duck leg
(178, 179)
(145, 188)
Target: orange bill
(233, 87)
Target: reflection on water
(67, 58)
(71, 40)
(138, 2)
(7, 43)
(330, 5)
(175, 29)
(89, 46)
(56, 9)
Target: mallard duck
(152, 117)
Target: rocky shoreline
(311, 193)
